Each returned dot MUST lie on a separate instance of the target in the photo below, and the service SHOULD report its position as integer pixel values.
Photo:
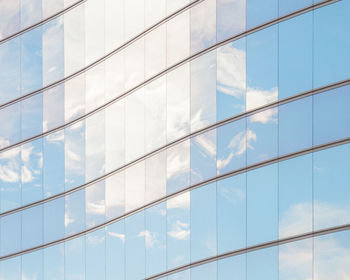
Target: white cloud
(27, 175)
(95, 240)
(179, 202)
(180, 231)
(150, 238)
(267, 116)
(257, 97)
(178, 159)
(118, 235)
(207, 143)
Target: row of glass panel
(292, 197)
(124, 131)
(299, 195)
(16, 15)
(248, 73)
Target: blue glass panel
(32, 266)
(204, 272)
(259, 12)
(32, 227)
(75, 212)
(54, 262)
(232, 266)
(54, 219)
(11, 269)
(74, 265)
(10, 233)
(95, 209)
(11, 128)
(95, 255)
(287, 6)
(32, 116)
(263, 264)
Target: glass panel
(262, 205)
(10, 178)
(178, 167)
(53, 164)
(263, 264)
(114, 76)
(259, 12)
(155, 50)
(95, 246)
(178, 231)
(203, 91)
(10, 234)
(32, 266)
(74, 40)
(11, 129)
(231, 216)
(203, 156)
(262, 65)
(331, 43)
(54, 262)
(155, 239)
(286, 6)
(31, 116)
(295, 54)
(114, 24)
(10, 18)
(331, 256)
(75, 212)
(134, 64)
(74, 98)
(53, 108)
(155, 177)
(331, 115)
(95, 30)
(134, 125)
(31, 171)
(31, 60)
(32, 227)
(95, 87)
(134, 11)
(74, 266)
(295, 130)
(115, 135)
(115, 251)
(135, 186)
(203, 25)
(178, 38)
(232, 266)
(331, 187)
(296, 260)
(182, 275)
(10, 269)
(155, 115)
(10, 58)
(154, 11)
(95, 204)
(178, 102)
(74, 147)
(203, 230)
(233, 140)
(30, 12)
(53, 51)
(51, 7)
(54, 219)
(135, 246)
(263, 128)
(231, 79)
(231, 18)
(95, 146)
(295, 196)
(115, 195)
(174, 5)
(206, 271)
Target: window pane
(134, 63)
(295, 54)
(30, 12)
(262, 129)
(10, 234)
(115, 195)
(263, 264)
(32, 227)
(231, 79)
(178, 167)
(262, 205)
(95, 204)
(95, 255)
(259, 12)
(155, 115)
(331, 187)
(174, 5)
(32, 265)
(74, 267)
(203, 230)
(203, 25)
(11, 129)
(74, 98)
(295, 196)
(203, 91)
(31, 116)
(206, 271)
(203, 156)
(155, 50)
(154, 11)
(10, 269)
(75, 212)
(135, 246)
(331, 115)
(53, 164)
(231, 216)
(232, 266)
(231, 18)
(53, 108)
(155, 238)
(295, 130)
(178, 231)
(10, 17)
(262, 65)
(233, 138)
(114, 76)
(135, 186)
(54, 262)
(54, 219)
(114, 24)
(178, 102)
(95, 87)
(134, 18)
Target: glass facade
(174, 139)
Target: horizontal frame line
(211, 180)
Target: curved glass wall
(176, 149)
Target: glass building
(175, 139)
